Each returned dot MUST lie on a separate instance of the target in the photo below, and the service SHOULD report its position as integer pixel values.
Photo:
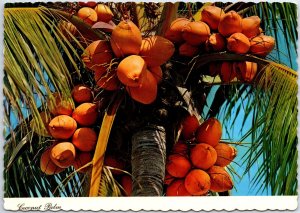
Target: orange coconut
(209, 132)
(147, 92)
(197, 182)
(227, 72)
(88, 15)
(196, 33)
(82, 158)
(178, 165)
(188, 50)
(63, 154)
(67, 29)
(82, 93)
(220, 179)
(46, 164)
(168, 178)
(114, 163)
(41, 129)
(157, 73)
(126, 39)
(215, 43)
(262, 45)
(84, 139)
(246, 70)
(211, 15)
(177, 188)
(103, 13)
(203, 156)
(86, 114)
(131, 71)
(225, 154)
(180, 148)
(238, 43)
(60, 105)
(214, 68)
(126, 183)
(230, 23)
(189, 126)
(174, 32)
(97, 55)
(87, 4)
(250, 26)
(156, 50)
(107, 80)
(62, 127)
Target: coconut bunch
(194, 169)
(72, 129)
(129, 60)
(219, 31)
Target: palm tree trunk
(148, 161)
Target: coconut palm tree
(40, 59)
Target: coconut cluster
(218, 31)
(128, 60)
(194, 169)
(71, 127)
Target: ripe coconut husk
(86, 114)
(156, 50)
(82, 158)
(131, 71)
(178, 165)
(62, 127)
(228, 73)
(116, 164)
(177, 188)
(41, 129)
(46, 164)
(225, 154)
(157, 73)
(87, 4)
(82, 93)
(126, 39)
(209, 132)
(196, 33)
(107, 79)
(250, 26)
(88, 15)
(174, 32)
(246, 70)
(215, 43)
(262, 45)
(84, 139)
(126, 183)
(168, 178)
(60, 106)
(197, 182)
(238, 43)
(97, 55)
(214, 68)
(147, 92)
(189, 126)
(230, 23)
(180, 148)
(67, 29)
(220, 179)
(188, 50)
(203, 156)
(211, 15)
(104, 13)
(63, 154)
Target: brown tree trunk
(148, 161)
